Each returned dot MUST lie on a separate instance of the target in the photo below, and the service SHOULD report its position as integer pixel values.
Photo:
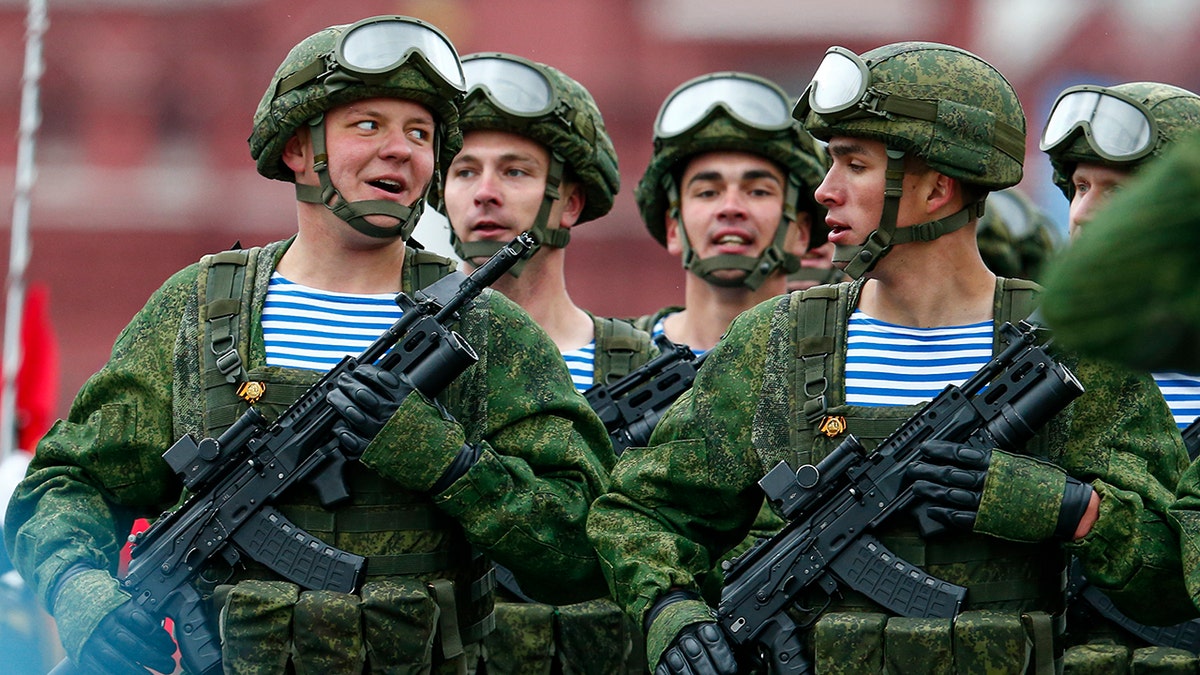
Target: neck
(928, 284)
(710, 309)
(334, 257)
(541, 291)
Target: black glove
(698, 648)
(1007, 495)
(949, 476)
(128, 640)
(366, 398)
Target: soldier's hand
(366, 398)
(950, 477)
(698, 649)
(104, 631)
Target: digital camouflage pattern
(1176, 112)
(971, 98)
(574, 129)
(1126, 287)
(1016, 238)
(678, 507)
(593, 637)
(278, 117)
(544, 457)
(792, 149)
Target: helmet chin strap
(862, 258)
(355, 213)
(758, 269)
(543, 234)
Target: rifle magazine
(870, 568)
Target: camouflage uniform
(1016, 238)
(426, 602)
(594, 636)
(523, 503)
(769, 387)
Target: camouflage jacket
(678, 507)
(544, 454)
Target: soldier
(362, 118)
(919, 134)
(536, 158)
(729, 191)
(1127, 293)
(1016, 238)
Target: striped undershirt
(581, 363)
(887, 364)
(1183, 396)
(313, 329)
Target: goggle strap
(1005, 138)
(301, 77)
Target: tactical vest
(403, 535)
(1016, 593)
(620, 349)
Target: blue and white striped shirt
(313, 329)
(887, 364)
(1182, 393)
(660, 328)
(581, 363)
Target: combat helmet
(732, 111)
(1121, 126)
(537, 101)
(1016, 238)
(940, 103)
(382, 56)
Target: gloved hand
(995, 492)
(366, 398)
(125, 639)
(698, 648)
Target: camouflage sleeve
(1185, 517)
(678, 506)
(545, 457)
(96, 471)
(1121, 437)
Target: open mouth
(734, 239)
(389, 186)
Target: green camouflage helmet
(1173, 113)
(937, 102)
(793, 149)
(572, 127)
(1015, 237)
(324, 84)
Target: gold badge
(252, 391)
(832, 425)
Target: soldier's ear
(573, 202)
(297, 152)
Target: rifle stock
(234, 478)
(833, 506)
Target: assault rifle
(1191, 439)
(633, 405)
(1184, 635)
(832, 507)
(234, 478)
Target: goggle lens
(383, 45)
(1115, 128)
(838, 84)
(515, 87)
(754, 103)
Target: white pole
(18, 258)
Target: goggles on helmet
(839, 84)
(511, 84)
(756, 103)
(1118, 128)
(371, 50)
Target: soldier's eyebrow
(756, 174)
(705, 175)
(843, 148)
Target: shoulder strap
(426, 267)
(227, 284)
(620, 348)
(814, 314)
(1017, 298)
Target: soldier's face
(853, 190)
(730, 203)
(1094, 184)
(495, 186)
(379, 148)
